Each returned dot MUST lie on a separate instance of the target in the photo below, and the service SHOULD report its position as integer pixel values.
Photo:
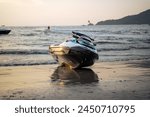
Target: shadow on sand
(66, 76)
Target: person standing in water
(48, 27)
(47, 30)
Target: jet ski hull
(75, 57)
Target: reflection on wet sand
(65, 76)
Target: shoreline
(103, 81)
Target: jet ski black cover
(83, 36)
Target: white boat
(77, 52)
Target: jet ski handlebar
(83, 36)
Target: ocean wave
(29, 34)
(27, 64)
(121, 49)
(122, 59)
(101, 31)
(24, 52)
(102, 59)
(108, 42)
(112, 49)
(146, 41)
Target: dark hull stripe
(77, 57)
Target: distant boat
(4, 31)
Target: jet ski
(76, 52)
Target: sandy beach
(105, 80)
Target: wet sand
(105, 80)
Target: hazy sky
(66, 12)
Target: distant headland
(141, 18)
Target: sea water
(30, 45)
